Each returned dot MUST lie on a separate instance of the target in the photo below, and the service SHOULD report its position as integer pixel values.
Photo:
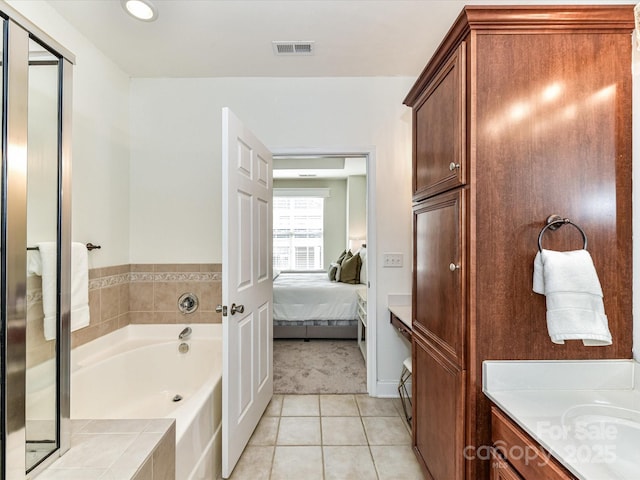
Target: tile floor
(330, 437)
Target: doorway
(319, 169)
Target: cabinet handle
(453, 267)
(453, 166)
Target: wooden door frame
(369, 154)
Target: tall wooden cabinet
(522, 112)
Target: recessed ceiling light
(141, 9)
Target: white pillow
(363, 270)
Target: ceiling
(212, 38)
(233, 38)
(318, 167)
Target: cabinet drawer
(536, 463)
(362, 314)
(403, 329)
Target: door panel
(264, 350)
(438, 434)
(244, 237)
(264, 254)
(439, 121)
(247, 287)
(438, 272)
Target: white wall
(335, 213)
(172, 185)
(175, 164)
(100, 193)
(42, 163)
(164, 204)
(356, 207)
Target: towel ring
(554, 222)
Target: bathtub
(138, 372)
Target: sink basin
(606, 436)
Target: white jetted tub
(138, 372)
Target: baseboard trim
(386, 389)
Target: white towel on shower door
(79, 286)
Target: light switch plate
(392, 260)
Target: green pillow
(341, 257)
(333, 271)
(350, 270)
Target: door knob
(222, 309)
(453, 267)
(453, 166)
(236, 308)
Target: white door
(247, 286)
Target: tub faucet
(184, 334)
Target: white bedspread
(312, 296)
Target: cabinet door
(522, 452)
(501, 470)
(439, 267)
(439, 123)
(438, 412)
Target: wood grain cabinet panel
(501, 470)
(438, 272)
(521, 113)
(439, 428)
(521, 453)
(439, 122)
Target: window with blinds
(298, 233)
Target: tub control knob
(188, 303)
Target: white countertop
(585, 413)
(403, 312)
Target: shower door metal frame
(14, 254)
(15, 64)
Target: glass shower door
(42, 254)
(35, 143)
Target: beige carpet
(318, 366)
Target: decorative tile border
(109, 281)
(175, 277)
(135, 277)
(34, 296)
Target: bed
(309, 305)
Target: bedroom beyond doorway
(327, 362)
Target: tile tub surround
(154, 291)
(124, 294)
(117, 450)
(148, 293)
(537, 395)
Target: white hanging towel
(79, 286)
(575, 310)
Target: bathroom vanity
(564, 420)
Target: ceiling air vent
(293, 48)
